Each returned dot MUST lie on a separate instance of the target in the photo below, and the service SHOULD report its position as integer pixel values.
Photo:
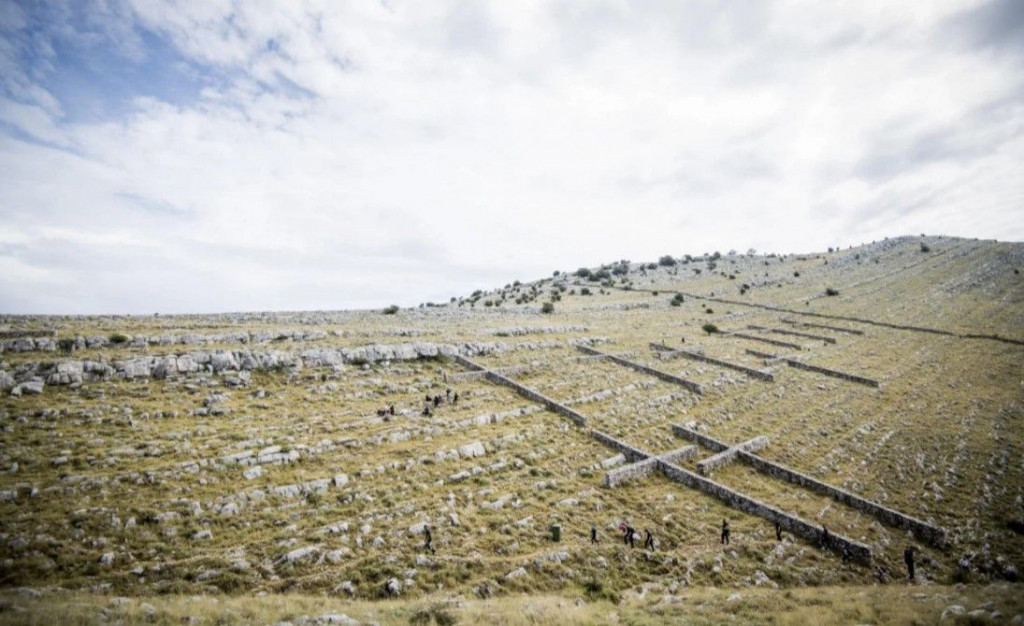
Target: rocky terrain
(257, 453)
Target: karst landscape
(282, 467)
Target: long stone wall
(632, 454)
(922, 530)
(833, 373)
(679, 455)
(724, 457)
(793, 333)
(548, 403)
(774, 342)
(20, 334)
(793, 524)
(838, 329)
(761, 355)
(460, 377)
(690, 385)
(640, 469)
(667, 353)
(702, 440)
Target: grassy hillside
(134, 486)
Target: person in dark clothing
(847, 555)
(437, 400)
(778, 531)
(427, 398)
(825, 537)
(593, 534)
(448, 394)
(648, 539)
(428, 539)
(391, 409)
(628, 537)
(908, 558)
(455, 400)
(725, 532)
(426, 411)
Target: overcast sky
(207, 155)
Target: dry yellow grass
(940, 440)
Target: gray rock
(472, 450)
(301, 554)
(336, 618)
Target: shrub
(709, 328)
(677, 299)
(547, 307)
(436, 614)
(66, 345)
(595, 590)
(583, 272)
(585, 292)
(925, 248)
(667, 261)
(796, 274)
(391, 310)
(118, 338)
(831, 292)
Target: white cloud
(355, 154)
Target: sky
(179, 156)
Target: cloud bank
(214, 156)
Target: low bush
(710, 328)
(831, 292)
(391, 310)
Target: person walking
(428, 540)
(648, 540)
(778, 531)
(628, 536)
(908, 558)
(593, 534)
(725, 532)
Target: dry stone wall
(833, 373)
(792, 333)
(795, 525)
(690, 385)
(838, 329)
(774, 342)
(922, 530)
(667, 353)
(728, 455)
(633, 471)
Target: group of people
(429, 402)
(436, 400)
(629, 537)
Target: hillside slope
(248, 452)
